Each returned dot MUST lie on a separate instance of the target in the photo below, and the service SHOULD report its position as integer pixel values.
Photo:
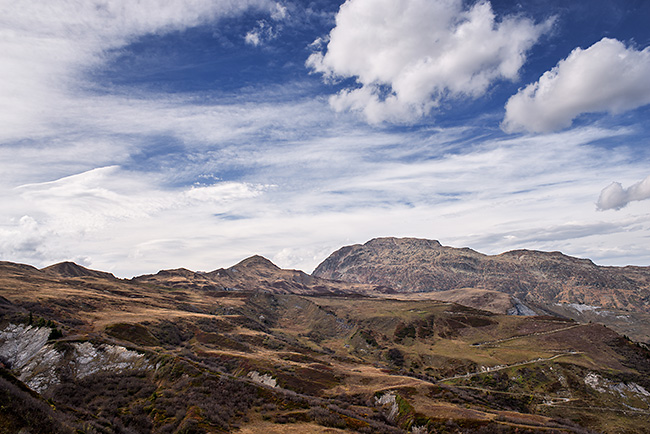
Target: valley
(257, 349)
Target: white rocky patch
(40, 373)
(19, 343)
(388, 401)
(592, 380)
(264, 379)
(38, 364)
(583, 307)
(89, 359)
(624, 390)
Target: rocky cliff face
(42, 365)
(416, 265)
(536, 282)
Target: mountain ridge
(416, 265)
(283, 351)
(253, 273)
(519, 282)
(537, 281)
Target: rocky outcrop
(41, 365)
(264, 379)
(416, 265)
(19, 344)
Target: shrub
(395, 356)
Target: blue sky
(138, 136)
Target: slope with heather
(133, 356)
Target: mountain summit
(70, 269)
(542, 282)
(417, 265)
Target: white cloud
(606, 77)
(262, 33)
(279, 12)
(614, 196)
(531, 192)
(253, 37)
(46, 48)
(112, 210)
(406, 56)
(97, 198)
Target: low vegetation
(320, 363)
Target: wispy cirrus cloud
(48, 49)
(302, 198)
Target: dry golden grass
(265, 427)
(312, 339)
(491, 301)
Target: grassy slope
(336, 352)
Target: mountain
(84, 352)
(542, 282)
(253, 273)
(70, 269)
(416, 265)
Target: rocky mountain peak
(71, 269)
(256, 262)
(388, 242)
(413, 265)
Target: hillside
(544, 282)
(252, 273)
(94, 354)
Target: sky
(154, 134)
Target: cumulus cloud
(408, 55)
(606, 77)
(614, 196)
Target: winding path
(549, 332)
(502, 367)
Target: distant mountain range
(398, 335)
(524, 282)
(255, 272)
(519, 282)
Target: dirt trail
(549, 401)
(502, 367)
(498, 341)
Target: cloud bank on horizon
(145, 135)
